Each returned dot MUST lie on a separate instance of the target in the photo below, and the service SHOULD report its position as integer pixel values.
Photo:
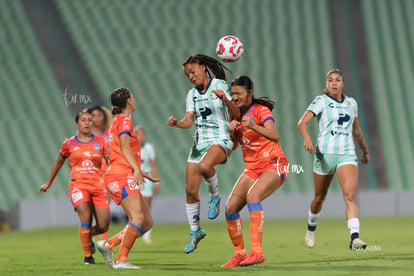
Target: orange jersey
(122, 125)
(259, 151)
(85, 160)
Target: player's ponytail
(212, 64)
(119, 98)
(247, 83)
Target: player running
(123, 180)
(264, 173)
(86, 153)
(337, 115)
(212, 143)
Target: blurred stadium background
(58, 57)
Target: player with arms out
(85, 152)
(264, 172)
(208, 104)
(337, 115)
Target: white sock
(212, 185)
(313, 218)
(353, 225)
(193, 215)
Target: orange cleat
(235, 261)
(253, 258)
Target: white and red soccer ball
(229, 48)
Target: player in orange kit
(123, 180)
(101, 121)
(86, 189)
(264, 172)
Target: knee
(231, 208)
(101, 228)
(205, 169)
(349, 199)
(319, 198)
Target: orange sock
(115, 240)
(132, 232)
(85, 238)
(104, 236)
(256, 225)
(235, 228)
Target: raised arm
(268, 130)
(186, 122)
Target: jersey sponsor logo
(76, 195)
(87, 153)
(131, 184)
(87, 163)
(196, 99)
(343, 118)
(205, 112)
(97, 146)
(113, 187)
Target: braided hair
(119, 98)
(212, 64)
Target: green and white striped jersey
(335, 123)
(211, 113)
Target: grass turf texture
(58, 251)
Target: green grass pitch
(58, 251)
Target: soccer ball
(229, 48)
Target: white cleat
(106, 253)
(358, 244)
(310, 238)
(124, 265)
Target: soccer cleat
(214, 206)
(146, 240)
(253, 258)
(89, 260)
(106, 253)
(235, 261)
(310, 238)
(357, 244)
(195, 237)
(93, 248)
(124, 265)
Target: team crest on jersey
(213, 96)
(113, 187)
(97, 146)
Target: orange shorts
(280, 166)
(82, 194)
(120, 186)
